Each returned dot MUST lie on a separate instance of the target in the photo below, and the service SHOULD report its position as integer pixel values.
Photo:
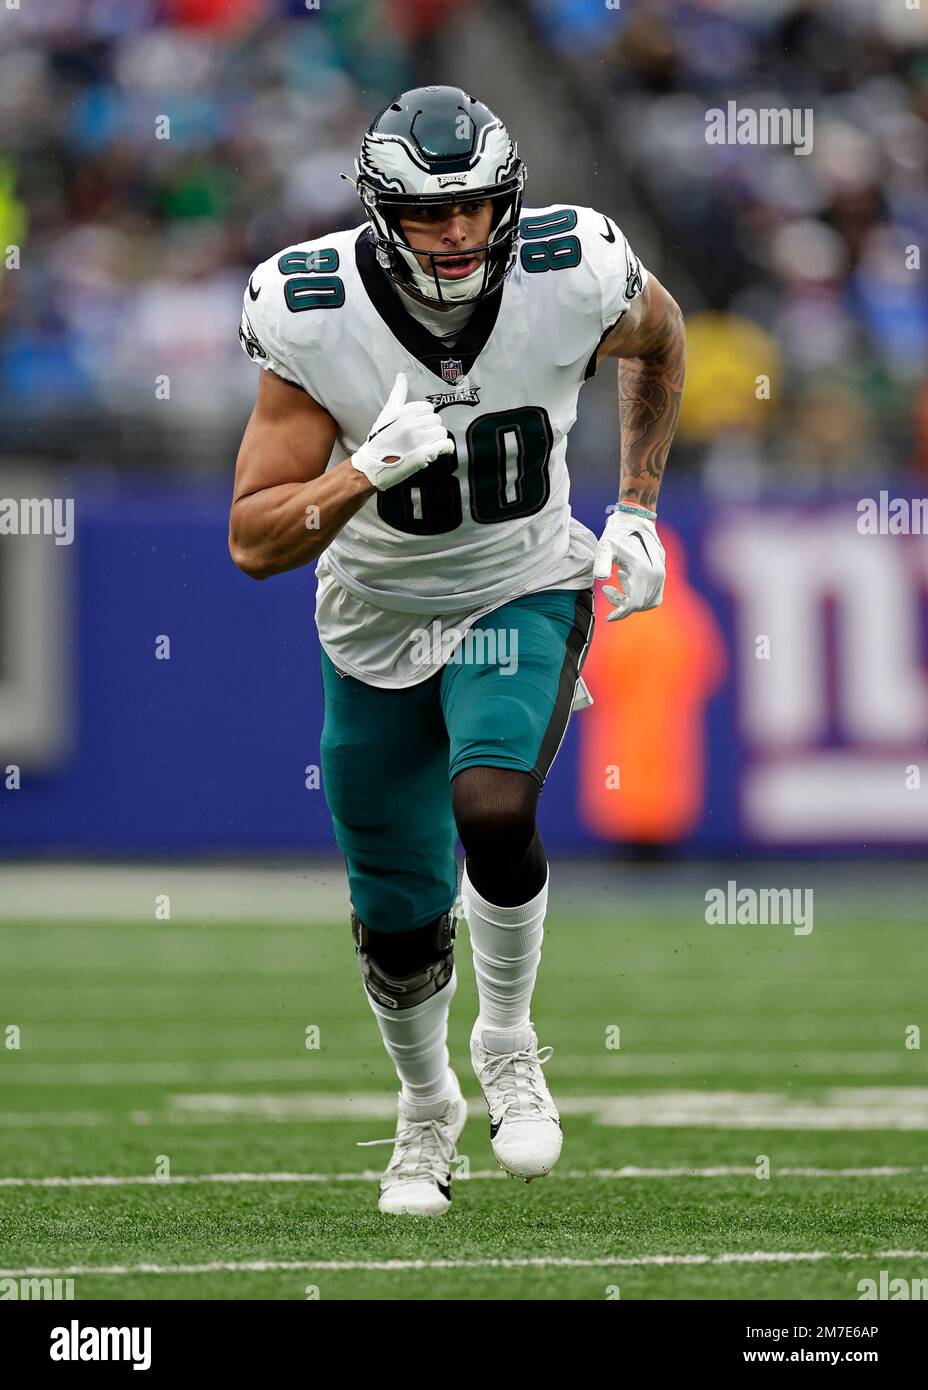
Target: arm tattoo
(650, 390)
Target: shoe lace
(522, 1090)
(420, 1146)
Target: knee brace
(402, 969)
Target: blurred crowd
(811, 265)
(154, 150)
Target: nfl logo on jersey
(450, 369)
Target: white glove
(405, 437)
(630, 541)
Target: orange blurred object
(642, 744)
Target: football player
(420, 377)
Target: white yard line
(394, 1266)
(316, 1067)
(902, 1108)
(838, 1108)
(482, 1175)
(736, 1061)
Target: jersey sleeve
(615, 276)
(260, 332)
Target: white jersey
(491, 521)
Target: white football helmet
(437, 145)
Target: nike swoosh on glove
(632, 544)
(406, 436)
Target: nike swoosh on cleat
(445, 1190)
(494, 1128)
(611, 236)
(252, 292)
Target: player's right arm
(286, 506)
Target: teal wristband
(634, 510)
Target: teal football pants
(388, 756)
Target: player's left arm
(649, 342)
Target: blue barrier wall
(207, 751)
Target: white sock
(506, 943)
(416, 1040)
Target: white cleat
(524, 1127)
(418, 1177)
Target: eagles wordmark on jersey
(492, 520)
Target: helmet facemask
(403, 265)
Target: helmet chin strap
(452, 291)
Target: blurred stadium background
(125, 389)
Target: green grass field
(184, 1044)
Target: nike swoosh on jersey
(253, 293)
(611, 236)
